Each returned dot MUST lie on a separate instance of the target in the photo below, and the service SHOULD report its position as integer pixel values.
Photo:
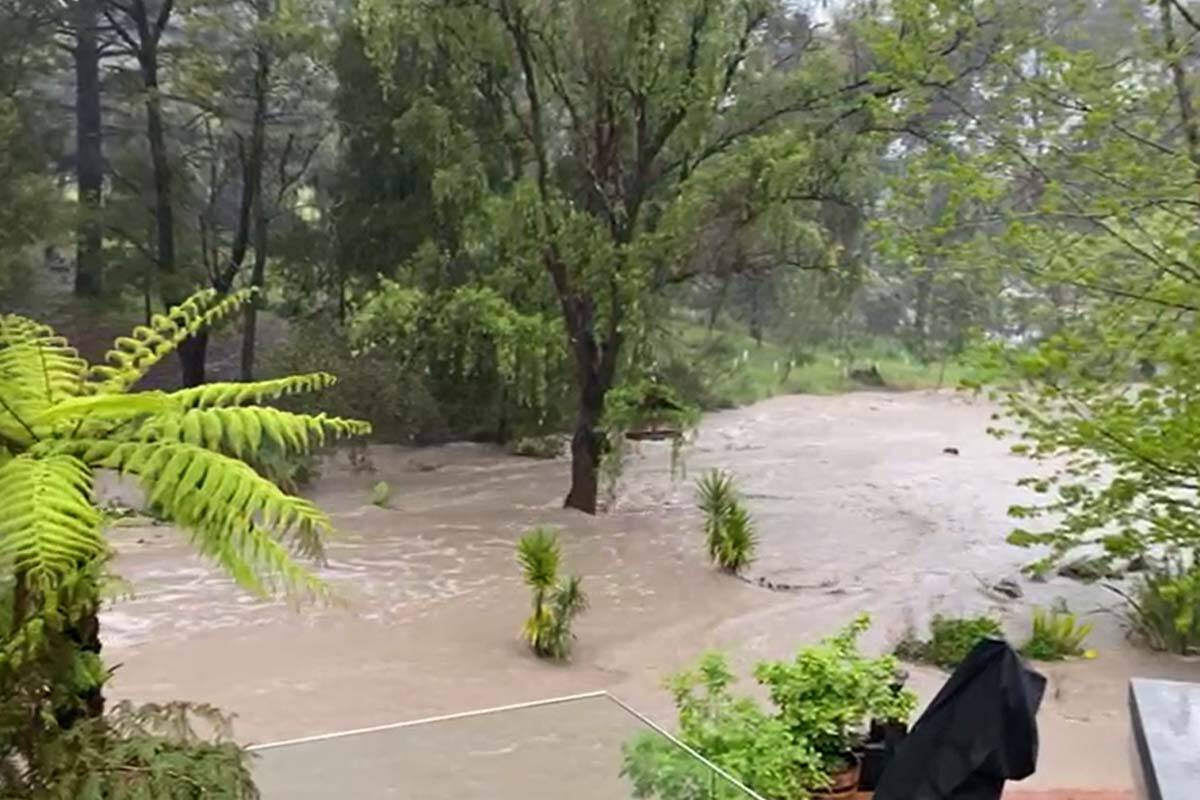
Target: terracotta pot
(844, 785)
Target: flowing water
(858, 506)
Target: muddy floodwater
(858, 507)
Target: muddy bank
(858, 507)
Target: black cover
(979, 731)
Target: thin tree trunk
(89, 155)
(257, 276)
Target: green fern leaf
(49, 528)
(221, 501)
(239, 394)
(131, 357)
(249, 429)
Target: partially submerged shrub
(556, 602)
(547, 447)
(381, 494)
(1164, 608)
(951, 639)
(729, 531)
(1057, 634)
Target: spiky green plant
(739, 541)
(556, 602)
(62, 418)
(729, 533)
(1057, 634)
(716, 493)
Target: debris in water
(950, 451)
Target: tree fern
(192, 450)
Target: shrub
(381, 494)
(728, 528)
(823, 700)
(556, 602)
(546, 447)
(951, 639)
(829, 691)
(398, 403)
(1164, 608)
(1057, 634)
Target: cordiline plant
(61, 419)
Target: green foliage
(556, 602)
(469, 341)
(647, 409)
(381, 494)
(544, 447)
(830, 690)
(1164, 608)
(1057, 634)
(147, 752)
(951, 639)
(728, 529)
(194, 452)
(732, 732)
(822, 701)
(375, 386)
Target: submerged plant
(1057, 634)
(556, 602)
(1164, 608)
(951, 640)
(729, 533)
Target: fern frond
(105, 408)
(132, 356)
(239, 394)
(49, 527)
(234, 515)
(245, 430)
(37, 368)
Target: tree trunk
(193, 356)
(257, 276)
(586, 449)
(89, 156)
(253, 179)
(921, 313)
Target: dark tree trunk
(253, 182)
(921, 314)
(193, 358)
(89, 155)
(586, 448)
(85, 634)
(257, 276)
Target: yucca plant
(556, 602)
(1057, 634)
(729, 532)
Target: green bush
(1164, 608)
(822, 701)
(399, 404)
(951, 639)
(545, 447)
(556, 602)
(729, 531)
(1057, 634)
(381, 494)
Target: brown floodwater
(858, 507)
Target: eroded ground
(858, 507)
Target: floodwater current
(858, 507)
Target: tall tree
(656, 134)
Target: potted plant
(807, 746)
(828, 694)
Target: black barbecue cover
(979, 731)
